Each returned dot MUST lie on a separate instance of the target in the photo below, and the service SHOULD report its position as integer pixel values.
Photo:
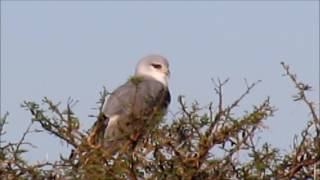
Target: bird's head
(154, 66)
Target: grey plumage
(139, 104)
(133, 104)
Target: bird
(133, 109)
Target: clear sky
(73, 49)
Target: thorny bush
(198, 143)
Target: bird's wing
(132, 102)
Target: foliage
(200, 143)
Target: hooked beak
(168, 73)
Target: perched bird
(137, 106)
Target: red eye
(157, 66)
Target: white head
(154, 66)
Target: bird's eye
(157, 66)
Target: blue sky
(73, 49)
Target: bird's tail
(96, 135)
